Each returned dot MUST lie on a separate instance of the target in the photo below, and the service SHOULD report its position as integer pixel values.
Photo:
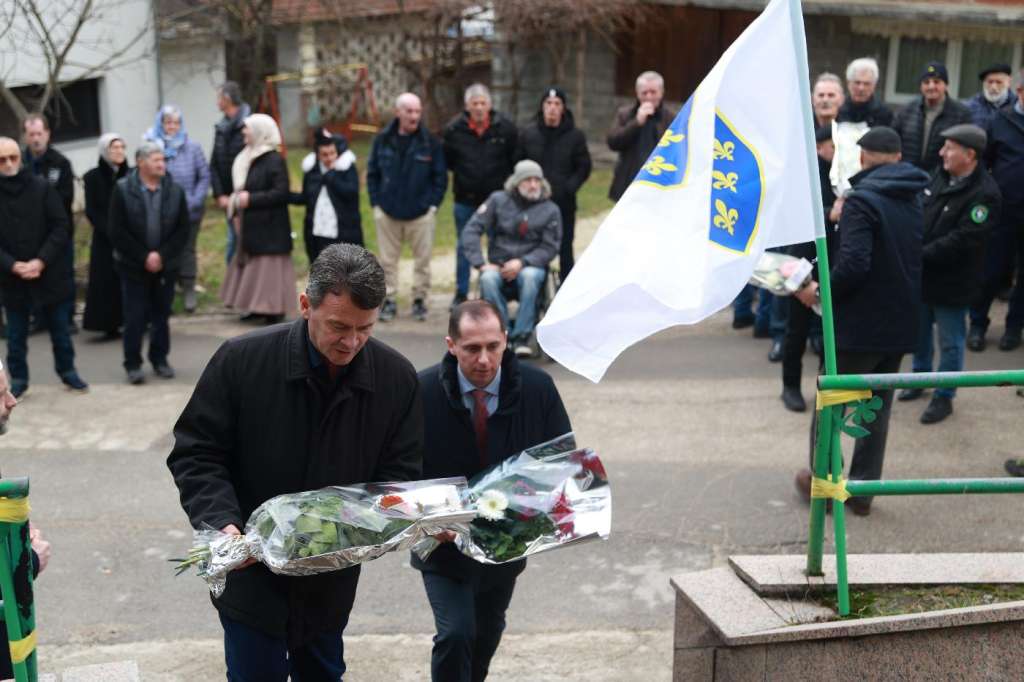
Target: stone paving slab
(122, 671)
(784, 574)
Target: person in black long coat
(288, 408)
(554, 141)
(103, 297)
(478, 374)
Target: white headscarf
(105, 141)
(264, 137)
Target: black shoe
(111, 335)
(163, 370)
(793, 399)
(976, 339)
(251, 317)
(388, 310)
(938, 409)
(273, 319)
(419, 310)
(775, 354)
(818, 345)
(1010, 340)
(1014, 467)
(74, 383)
(458, 299)
(19, 388)
(762, 332)
(136, 376)
(742, 322)
(910, 394)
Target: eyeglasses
(13, 158)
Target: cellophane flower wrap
(549, 496)
(332, 528)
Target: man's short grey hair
(650, 77)
(477, 90)
(147, 148)
(860, 65)
(232, 91)
(828, 77)
(347, 269)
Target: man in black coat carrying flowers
(481, 406)
(292, 407)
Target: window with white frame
(963, 57)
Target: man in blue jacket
(330, 193)
(406, 179)
(876, 286)
(480, 407)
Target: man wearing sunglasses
(33, 268)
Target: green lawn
(592, 199)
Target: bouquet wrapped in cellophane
(782, 275)
(549, 496)
(331, 528)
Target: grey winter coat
(516, 228)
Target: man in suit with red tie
(481, 406)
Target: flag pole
(827, 447)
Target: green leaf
(854, 430)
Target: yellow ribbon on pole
(825, 488)
(23, 648)
(13, 510)
(836, 397)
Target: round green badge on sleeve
(979, 213)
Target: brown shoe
(803, 484)
(861, 506)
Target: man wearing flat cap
(994, 95)
(1004, 157)
(960, 207)
(876, 285)
(921, 123)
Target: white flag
(728, 179)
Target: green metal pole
(938, 486)
(877, 382)
(839, 518)
(816, 538)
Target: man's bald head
(409, 111)
(10, 157)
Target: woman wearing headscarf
(187, 167)
(260, 278)
(103, 296)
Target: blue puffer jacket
(405, 186)
(190, 171)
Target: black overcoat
(562, 154)
(266, 226)
(635, 142)
(261, 422)
(957, 221)
(103, 297)
(33, 224)
(530, 412)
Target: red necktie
(480, 423)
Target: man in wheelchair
(524, 231)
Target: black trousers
(470, 618)
(801, 324)
(566, 260)
(869, 451)
(147, 301)
(1004, 250)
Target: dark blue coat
(530, 412)
(1004, 157)
(876, 277)
(982, 110)
(405, 186)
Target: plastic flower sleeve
(332, 528)
(549, 496)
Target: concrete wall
(128, 96)
(190, 71)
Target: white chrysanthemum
(492, 505)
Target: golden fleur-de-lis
(658, 165)
(723, 151)
(727, 217)
(669, 137)
(724, 180)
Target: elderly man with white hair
(406, 178)
(637, 128)
(480, 150)
(863, 105)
